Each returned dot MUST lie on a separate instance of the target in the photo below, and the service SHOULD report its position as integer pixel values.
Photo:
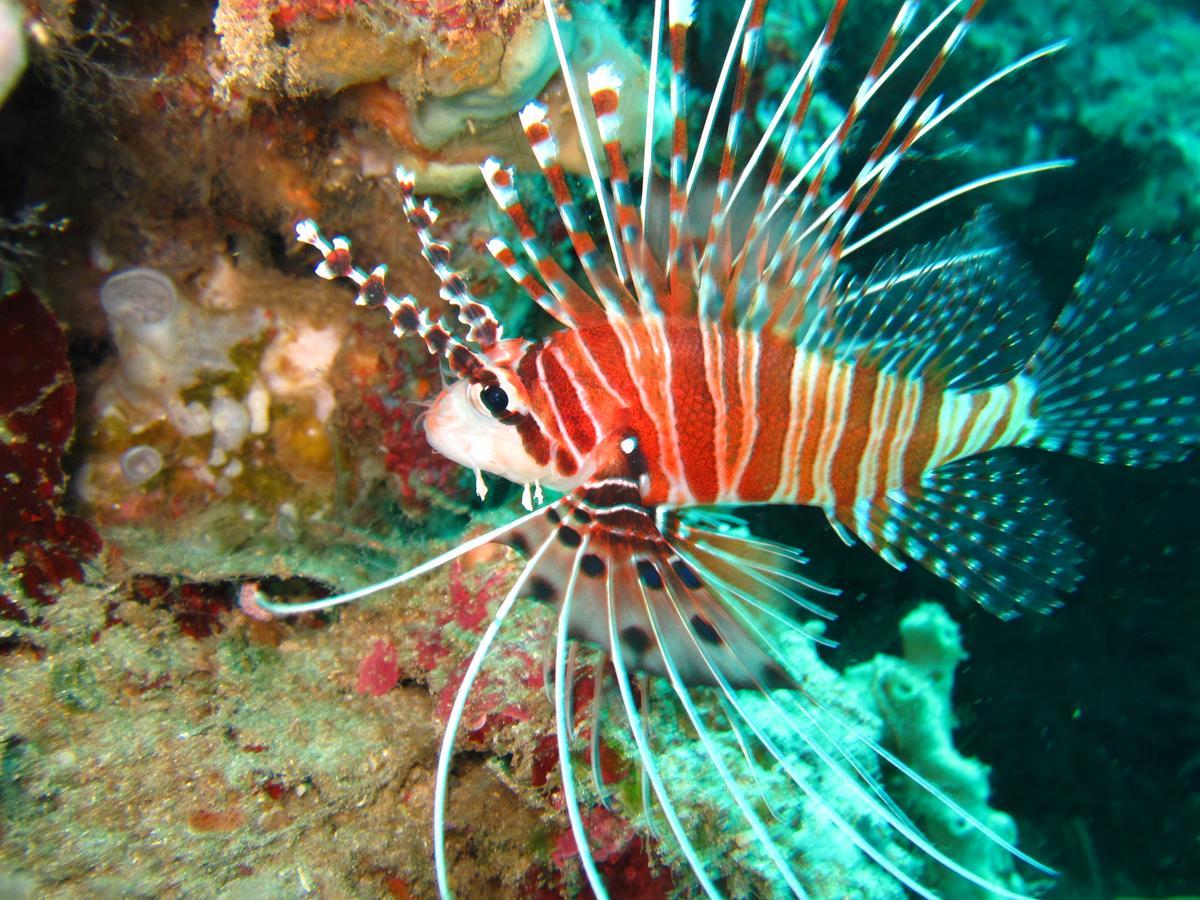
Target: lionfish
(741, 364)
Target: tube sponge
(143, 309)
(165, 343)
(913, 697)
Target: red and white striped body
(730, 416)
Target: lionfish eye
(495, 399)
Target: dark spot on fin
(406, 318)
(438, 253)
(704, 630)
(635, 638)
(541, 589)
(518, 543)
(374, 291)
(649, 574)
(568, 536)
(592, 565)
(686, 574)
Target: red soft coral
(42, 544)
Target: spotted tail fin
(1118, 377)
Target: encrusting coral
(439, 81)
(250, 407)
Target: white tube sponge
(143, 309)
(165, 343)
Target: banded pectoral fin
(602, 544)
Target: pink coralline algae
(319, 10)
(620, 854)
(420, 473)
(500, 694)
(379, 670)
(42, 544)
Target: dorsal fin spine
(608, 287)
(651, 102)
(806, 78)
(940, 115)
(717, 256)
(807, 72)
(585, 140)
(871, 171)
(504, 255)
(605, 87)
(879, 73)
(878, 83)
(973, 185)
(679, 15)
(710, 118)
(573, 298)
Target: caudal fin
(1119, 374)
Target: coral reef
(238, 419)
(155, 723)
(269, 757)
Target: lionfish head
(479, 422)
(482, 419)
